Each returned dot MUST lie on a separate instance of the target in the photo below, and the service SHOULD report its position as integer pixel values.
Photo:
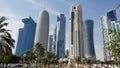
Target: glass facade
(72, 26)
(19, 41)
(26, 36)
(59, 37)
(111, 16)
(89, 40)
(50, 43)
(109, 25)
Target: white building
(76, 41)
(42, 29)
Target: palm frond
(2, 25)
(8, 40)
(2, 19)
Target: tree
(78, 59)
(51, 56)
(39, 52)
(29, 56)
(13, 59)
(6, 41)
(113, 46)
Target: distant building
(76, 34)
(26, 36)
(42, 29)
(89, 39)
(50, 43)
(109, 23)
(54, 39)
(59, 36)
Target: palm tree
(39, 52)
(78, 59)
(6, 41)
(50, 57)
(29, 56)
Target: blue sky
(15, 10)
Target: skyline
(16, 10)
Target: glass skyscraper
(19, 41)
(111, 15)
(50, 43)
(59, 36)
(26, 36)
(89, 39)
(107, 29)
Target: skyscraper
(89, 40)
(42, 29)
(54, 38)
(76, 42)
(50, 43)
(59, 36)
(26, 36)
(107, 28)
(19, 42)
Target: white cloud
(34, 2)
(53, 11)
(39, 5)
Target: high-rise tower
(107, 28)
(26, 36)
(59, 36)
(19, 42)
(76, 42)
(50, 43)
(89, 40)
(42, 29)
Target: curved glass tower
(89, 40)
